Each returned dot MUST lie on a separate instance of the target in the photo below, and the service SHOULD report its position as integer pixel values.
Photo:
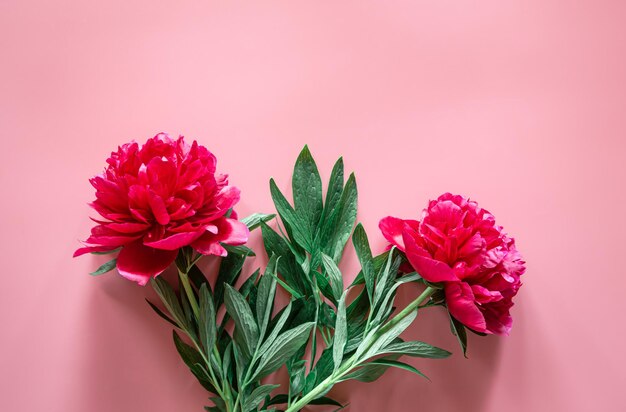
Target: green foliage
(235, 338)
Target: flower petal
(392, 228)
(176, 241)
(428, 268)
(460, 302)
(229, 231)
(139, 263)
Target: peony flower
(459, 245)
(157, 198)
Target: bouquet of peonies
(163, 203)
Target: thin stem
(408, 310)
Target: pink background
(517, 104)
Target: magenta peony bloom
(157, 198)
(459, 244)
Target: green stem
(408, 310)
(353, 362)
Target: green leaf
(324, 286)
(189, 355)
(286, 344)
(194, 361)
(296, 370)
(341, 331)
(106, 267)
(369, 372)
(364, 253)
(458, 330)
(324, 400)
(106, 252)
(386, 277)
(203, 377)
(335, 188)
(307, 192)
(290, 270)
(289, 217)
(239, 310)
(169, 299)
(256, 397)
(379, 341)
(197, 277)
(385, 307)
(161, 314)
(206, 321)
(397, 364)
(230, 269)
(278, 326)
(238, 250)
(417, 349)
(334, 274)
(265, 296)
(254, 220)
(379, 262)
(336, 227)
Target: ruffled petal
(229, 231)
(139, 263)
(392, 229)
(428, 268)
(460, 302)
(90, 249)
(175, 242)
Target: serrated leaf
(285, 345)
(169, 299)
(104, 268)
(334, 275)
(307, 192)
(364, 253)
(206, 321)
(256, 397)
(254, 220)
(240, 312)
(341, 331)
(417, 349)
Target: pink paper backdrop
(519, 104)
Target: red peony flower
(157, 198)
(459, 244)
